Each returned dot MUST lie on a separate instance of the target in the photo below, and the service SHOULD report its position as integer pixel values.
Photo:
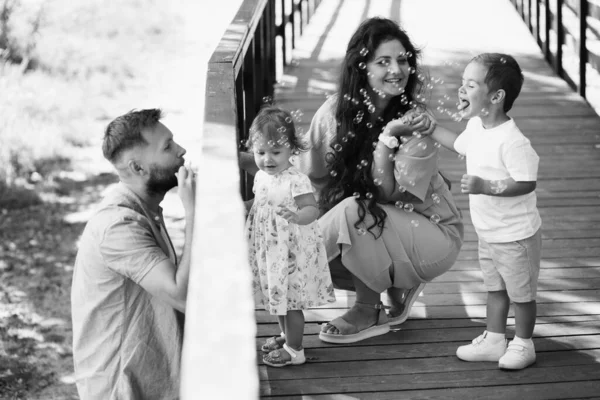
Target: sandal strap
(291, 351)
(378, 306)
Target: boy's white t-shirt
(497, 154)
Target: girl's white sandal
(274, 358)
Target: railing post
(560, 33)
(547, 50)
(272, 33)
(281, 31)
(537, 23)
(529, 25)
(583, 53)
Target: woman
(390, 222)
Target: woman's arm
(383, 165)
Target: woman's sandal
(272, 344)
(275, 359)
(350, 334)
(405, 303)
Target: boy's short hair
(503, 73)
(125, 132)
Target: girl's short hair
(275, 125)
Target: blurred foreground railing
(249, 59)
(568, 32)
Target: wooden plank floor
(418, 361)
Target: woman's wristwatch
(389, 141)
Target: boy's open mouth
(463, 104)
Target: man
(128, 286)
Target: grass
(87, 62)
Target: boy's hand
(288, 215)
(420, 121)
(413, 121)
(473, 184)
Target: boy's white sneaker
(482, 348)
(519, 354)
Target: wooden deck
(419, 360)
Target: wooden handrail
(243, 68)
(569, 22)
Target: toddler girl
(286, 253)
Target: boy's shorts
(512, 266)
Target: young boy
(501, 178)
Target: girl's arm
(248, 205)
(308, 211)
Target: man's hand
(186, 188)
(473, 185)
(288, 215)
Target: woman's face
(388, 70)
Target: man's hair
(125, 132)
(503, 73)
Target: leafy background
(66, 69)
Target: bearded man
(129, 290)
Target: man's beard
(161, 180)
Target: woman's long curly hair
(351, 155)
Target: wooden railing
(249, 59)
(568, 32)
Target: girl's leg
(294, 329)
(269, 346)
(498, 304)
(281, 321)
(360, 317)
(293, 351)
(525, 315)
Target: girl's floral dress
(288, 261)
